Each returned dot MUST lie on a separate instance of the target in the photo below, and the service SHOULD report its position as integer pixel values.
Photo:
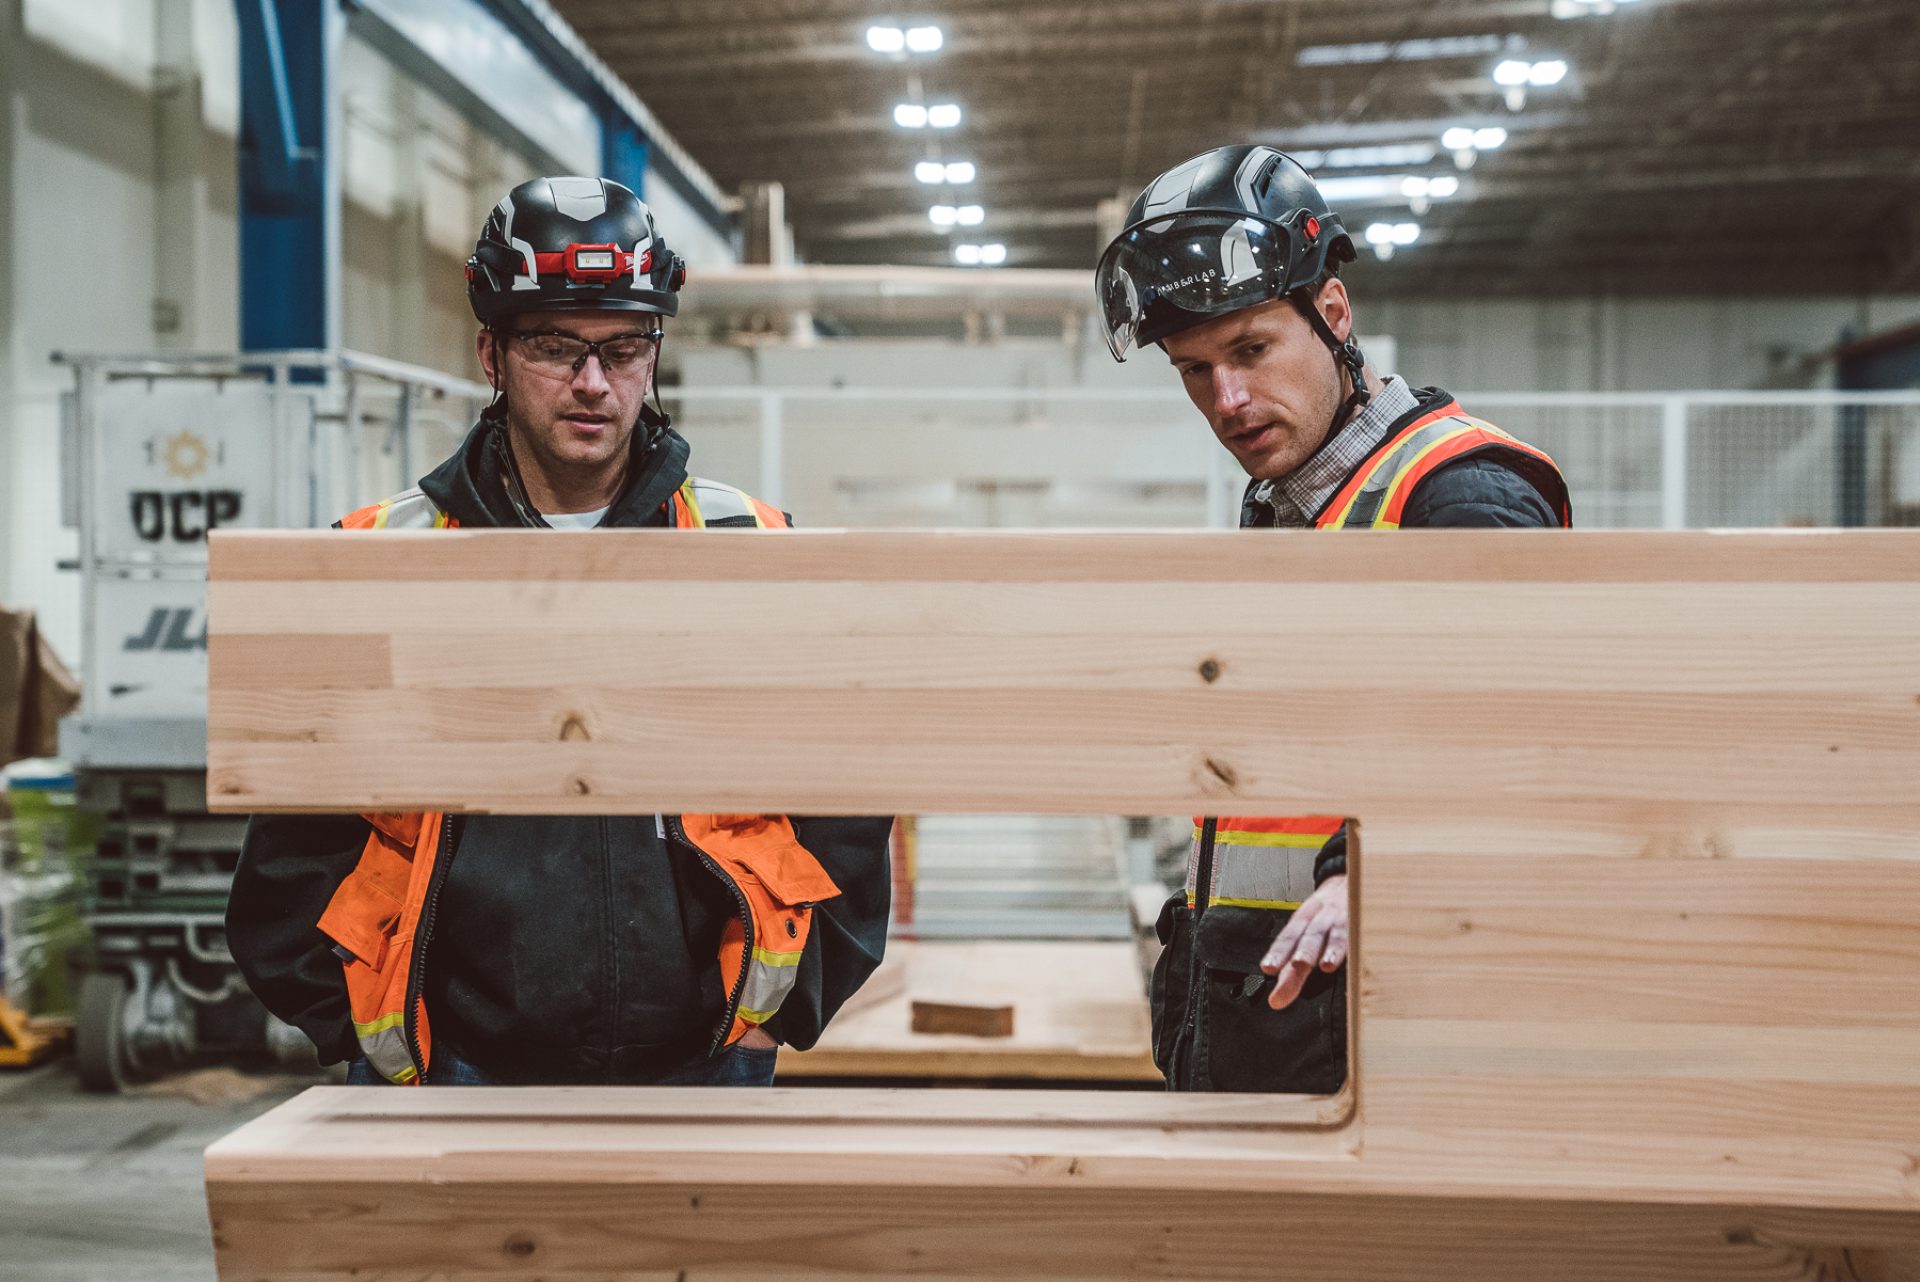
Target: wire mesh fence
(1065, 457)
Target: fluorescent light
(1443, 187)
(1512, 72)
(943, 215)
(970, 215)
(1401, 51)
(1459, 138)
(1489, 139)
(993, 255)
(1551, 72)
(910, 115)
(1404, 153)
(930, 171)
(960, 171)
(1364, 189)
(943, 115)
(924, 39)
(1404, 233)
(1379, 233)
(1416, 186)
(886, 39)
(967, 255)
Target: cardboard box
(36, 690)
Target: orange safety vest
(1252, 862)
(376, 916)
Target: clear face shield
(1200, 263)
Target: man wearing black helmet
(1229, 263)
(472, 949)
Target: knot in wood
(1210, 670)
(574, 729)
(520, 1246)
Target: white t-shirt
(574, 520)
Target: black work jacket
(565, 949)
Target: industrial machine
(158, 450)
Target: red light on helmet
(1313, 227)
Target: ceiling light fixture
(1422, 50)
(967, 255)
(1516, 75)
(1387, 237)
(943, 115)
(1403, 153)
(930, 171)
(993, 255)
(1466, 143)
(897, 43)
(970, 215)
(910, 115)
(1587, 8)
(960, 171)
(943, 215)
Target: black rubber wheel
(99, 1033)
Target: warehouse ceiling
(1766, 146)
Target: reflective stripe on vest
(1376, 495)
(770, 977)
(1261, 862)
(701, 502)
(384, 1043)
(409, 510)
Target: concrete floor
(98, 1188)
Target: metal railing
(1072, 456)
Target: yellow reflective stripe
(754, 1016)
(693, 504)
(766, 958)
(380, 1025)
(404, 1076)
(1400, 477)
(439, 519)
(380, 517)
(1291, 840)
(1287, 905)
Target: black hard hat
(1230, 228)
(572, 244)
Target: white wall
(118, 227)
(1605, 344)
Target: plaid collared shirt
(1296, 497)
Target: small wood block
(955, 1017)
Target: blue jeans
(740, 1066)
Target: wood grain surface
(1636, 889)
(1587, 676)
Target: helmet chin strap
(1347, 360)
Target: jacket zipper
(679, 831)
(613, 941)
(416, 977)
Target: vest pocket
(1167, 990)
(1245, 1045)
(364, 919)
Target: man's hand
(1316, 935)
(759, 1039)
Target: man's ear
(486, 345)
(1337, 307)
